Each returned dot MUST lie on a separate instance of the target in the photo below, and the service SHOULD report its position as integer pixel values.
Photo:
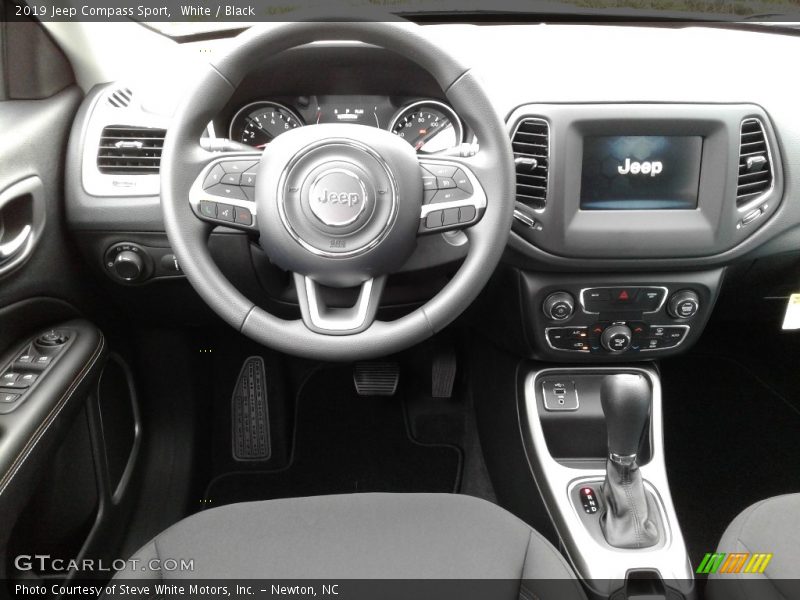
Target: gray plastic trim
(594, 560)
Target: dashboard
(638, 172)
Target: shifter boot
(626, 522)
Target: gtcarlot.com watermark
(45, 563)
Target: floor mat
(730, 440)
(345, 444)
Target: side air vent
(126, 150)
(120, 98)
(755, 163)
(531, 144)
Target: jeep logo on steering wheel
(341, 207)
(350, 199)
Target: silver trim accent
(355, 321)
(454, 118)
(631, 287)
(513, 134)
(688, 328)
(359, 146)
(477, 200)
(197, 193)
(592, 559)
(764, 195)
(524, 219)
(547, 331)
(100, 115)
(625, 461)
(259, 102)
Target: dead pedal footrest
(250, 412)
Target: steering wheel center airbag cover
(340, 203)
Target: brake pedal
(376, 378)
(250, 412)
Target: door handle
(22, 216)
(10, 249)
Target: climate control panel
(609, 319)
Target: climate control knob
(616, 338)
(559, 306)
(128, 265)
(683, 304)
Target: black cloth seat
(771, 526)
(362, 536)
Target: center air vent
(755, 164)
(126, 150)
(531, 144)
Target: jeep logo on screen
(644, 168)
(337, 197)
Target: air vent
(130, 150)
(755, 164)
(120, 98)
(531, 144)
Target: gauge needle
(429, 135)
(262, 146)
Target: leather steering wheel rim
(183, 159)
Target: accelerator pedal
(250, 412)
(443, 373)
(376, 378)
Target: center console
(572, 432)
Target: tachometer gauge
(259, 123)
(429, 126)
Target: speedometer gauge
(259, 123)
(429, 126)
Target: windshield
(784, 11)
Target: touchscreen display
(640, 172)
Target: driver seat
(363, 536)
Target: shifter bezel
(603, 567)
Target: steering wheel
(338, 205)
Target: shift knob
(626, 405)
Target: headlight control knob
(128, 265)
(616, 338)
(683, 304)
(559, 306)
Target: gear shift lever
(626, 401)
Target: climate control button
(616, 338)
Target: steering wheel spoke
(224, 191)
(453, 195)
(319, 317)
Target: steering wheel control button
(214, 177)
(445, 183)
(463, 182)
(248, 179)
(243, 216)
(683, 304)
(225, 212)
(231, 179)
(434, 220)
(208, 209)
(338, 197)
(233, 192)
(450, 217)
(559, 306)
(447, 171)
(617, 338)
(466, 214)
(429, 182)
(238, 166)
